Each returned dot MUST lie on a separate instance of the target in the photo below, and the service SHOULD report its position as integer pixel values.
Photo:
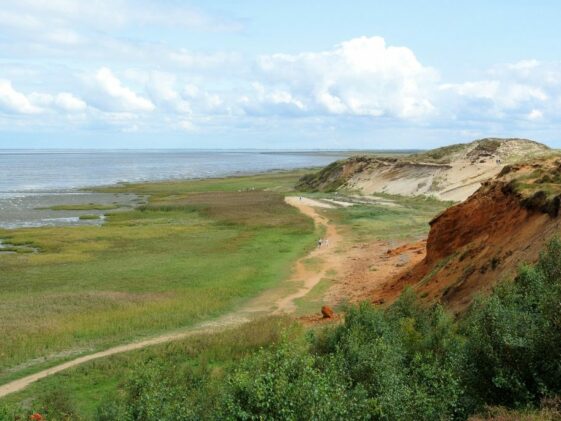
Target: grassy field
(407, 219)
(197, 249)
(79, 391)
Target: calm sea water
(33, 181)
(40, 171)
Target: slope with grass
(196, 250)
(450, 173)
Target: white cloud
(535, 115)
(362, 77)
(63, 101)
(116, 97)
(68, 102)
(187, 126)
(14, 101)
(522, 90)
(97, 80)
(161, 87)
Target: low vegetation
(196, 250)
(407, 362)
(89, 217)
(538, 184)
(408, 218)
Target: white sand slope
(450, 173)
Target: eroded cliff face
(450, 173)
(490, 213)
(482, 241)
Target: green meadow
(77, 393)
(394, 217)
(196, 250)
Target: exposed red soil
(474, 245)
(369, 268)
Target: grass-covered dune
(197, 249)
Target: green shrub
(515, 336)
(408, 359)
(290, 384)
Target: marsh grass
(410, 220)
(188, 255)
(82, 388)
(89, 217)
(313, 301)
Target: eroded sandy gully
(358, 272)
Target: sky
(277, 74)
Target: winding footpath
(266, 303)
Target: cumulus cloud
(517, 90)
(15, 102)
(162, 90)
(362, 82)
(114, 96)
(363, 77)
(68, 102)
(64, 101)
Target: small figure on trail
(326, 242)
(320, 241)
(300, 198)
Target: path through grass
(196, 250)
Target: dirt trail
(310, 277)
(269, 302)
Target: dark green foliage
(164, 393)
(515, 336)
(290, 384)
(407, 358)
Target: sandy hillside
(477, 243)
(449, 173)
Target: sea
(33, 181)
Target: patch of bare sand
(368, 268)
(455, 181)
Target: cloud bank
(74, 66)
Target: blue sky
(277, 74)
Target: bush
(161, 393)
(515, 336)
(289, 384)
(408, 359)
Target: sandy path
(266, 303)
(310, 277)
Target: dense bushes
(407, 362)
(515, 336)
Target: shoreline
(36, 206)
